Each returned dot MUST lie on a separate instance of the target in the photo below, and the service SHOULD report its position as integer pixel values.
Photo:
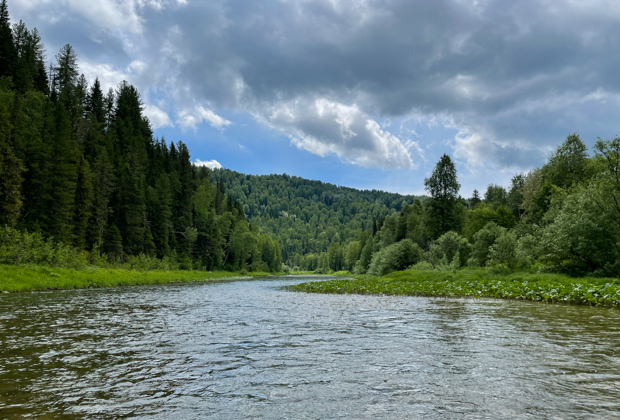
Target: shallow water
(250, 350)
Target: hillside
(305, 215)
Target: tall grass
(29, 278)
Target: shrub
(395, 257)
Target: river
(248, 349)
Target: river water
(248, 349)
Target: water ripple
(251, 350)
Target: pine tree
(60, 177)
(10, 174)
(475, 198)
(84, 195)
(443, 187)
(103, 186)
(8, 55)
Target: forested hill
(80, 167)
(307, 216)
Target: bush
(31, 248)
(395, 257)
(483, 240)
(448, 252)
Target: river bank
(550, 288)
(25, 278)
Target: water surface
(250, 350)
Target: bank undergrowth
(30, 278)
(550, 288)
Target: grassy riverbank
(551, 288)
(29, 278)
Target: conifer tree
(10, 174)
(7, 48)
(443, 187)
(84, 195)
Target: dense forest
(563, 217)
(81, 167)
(315, 222)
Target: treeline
(563, 217)
(82, 167)
(311, 219)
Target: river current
(248, 349)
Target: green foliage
(482, 242)
(567, 165)
(449, 251)
(29, 278)
(549, 288)
(496, 195)
(579, 238)
(503, 252)
(444, 211)
(31, 248)
(395, 257)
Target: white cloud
(191, 118)
(212, 164)
(157, 117)
(118, 14)
(109, 77)
(325, 127)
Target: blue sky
(368, 93)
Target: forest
(84, 180)
(563, 217)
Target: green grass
(29, 278)
(551, 288)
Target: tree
(7, 48)
(395, 257)
(483, 240)
(444, 213)
(10, 174)
(475, 198)
(496, 195)
(66, 70)
(515, 195)
(568, 164)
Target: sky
(362, 93)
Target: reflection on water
(249, 349)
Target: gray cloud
(512, 78)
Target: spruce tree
(10, 174)
(443, 187)
(7, 48)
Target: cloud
(191, 118)
(324, 127)
(118, 14)
(211, 164)
(510, 80)
(157, 117)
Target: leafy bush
(483, 240)
(31, 248)
(448, 252)
(395, 257)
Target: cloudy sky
(361, 93)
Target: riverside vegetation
(84, 185)
(549, 288)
